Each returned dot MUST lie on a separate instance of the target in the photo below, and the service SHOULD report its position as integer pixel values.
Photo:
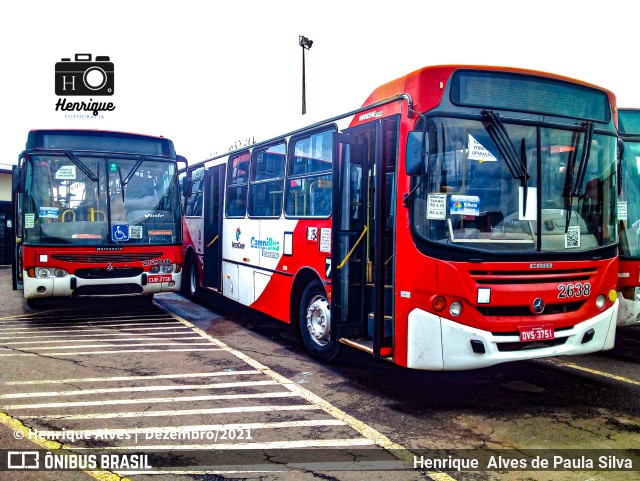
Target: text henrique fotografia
(84, 77)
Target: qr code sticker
(135, 232)
(572, 237)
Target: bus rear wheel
(315, 323)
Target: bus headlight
(59, 273)
(42, 273)
(455, 309)
(600, 301)
(163, 269)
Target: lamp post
(306, 44)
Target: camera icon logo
(84, 76)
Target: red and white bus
(629, 218)
(97, 213)
(463, 217)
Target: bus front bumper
(439, 344)
(70, 285)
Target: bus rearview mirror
(417, 145)
(18, 179)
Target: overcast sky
(209, 74)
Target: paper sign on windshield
(478, 152)
(66, 172)
(622, 210)
(437, 206)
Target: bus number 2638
(574, 290)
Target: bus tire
(315, 323)
(191, 289)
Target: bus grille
(535, 279)
(103, 258)
(102, 273)
(496, 277)
(525, 311)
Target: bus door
(362, 276)
(348, 252)
(212, 215)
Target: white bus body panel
(61, 286)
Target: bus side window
(236, 198)
(193, 203)
(308, 188)
(320, 192)
(267, 181)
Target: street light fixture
(306, 44)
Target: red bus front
(95, 218)
(508, 222)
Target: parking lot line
(572, 365)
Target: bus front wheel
(192, 279)
(315, 323)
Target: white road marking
(177, 387)
(109, 332)
(133, 378)
(110, 402)
(305, 443)
(85, 346)
(49, 328)
(174, 412)
(213, 427)
(95, 339)
(121, 351)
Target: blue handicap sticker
(120, 232)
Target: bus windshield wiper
(81, 165)
(517, 165)
(573, 185)
(121, 183)
(135, 167)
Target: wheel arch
(303, 278)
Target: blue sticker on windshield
(120, 232)
(464, 204)
(48, 212)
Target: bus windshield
(492, 185)
(76, 200)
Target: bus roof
(98, 141)
(426, 85)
